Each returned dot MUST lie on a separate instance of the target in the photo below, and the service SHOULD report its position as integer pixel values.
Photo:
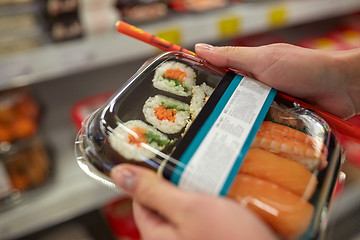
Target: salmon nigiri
(284, 172)
(292, 144)
(287, 213)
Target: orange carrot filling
(139, 137)
(175, 74)
(165, 114)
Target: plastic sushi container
(213, 131)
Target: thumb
(244, 59)
(150, 190)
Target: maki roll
(135, 139)
(175, 77)
(166, 114)
(200, 95)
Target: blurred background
(61, 59)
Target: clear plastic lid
(212, 131)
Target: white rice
(200, 95)
(170, 86)
(119, 140)
(165, 125)
(188, 124)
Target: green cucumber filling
(153, 137)
(169, 106)
(178, 83)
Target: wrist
(349, 66)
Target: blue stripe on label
(190, 151)
(248, 141)
(195, 143)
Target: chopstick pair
(342, 127)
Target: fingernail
(124, 178)
(204, 46)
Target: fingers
(151, 191)
(145, 218)
(244, 59)
(265, 63)
(150, 224)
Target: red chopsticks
(139, 34)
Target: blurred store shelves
(55, 60)
(62, 73)
(69, 192)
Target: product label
(5, 185)
(214, 156)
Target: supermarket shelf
(70, 192)
(57, 60)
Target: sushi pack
(215, 132)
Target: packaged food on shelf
(66, 27)
(55, 8)
(197, 5)
(19, 115)
(21, 27)
(213, 131)
(142, 10)
(61, 20)
(25, 166)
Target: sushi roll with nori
(175, 77)
(134, 139)
(200, 95)
(166, 114)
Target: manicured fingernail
(123, 178)
(204, 46)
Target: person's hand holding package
(163, 211)
(328, 80)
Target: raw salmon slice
(284, 172)
(287, 213)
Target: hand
(163, 211)
(327, 79)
